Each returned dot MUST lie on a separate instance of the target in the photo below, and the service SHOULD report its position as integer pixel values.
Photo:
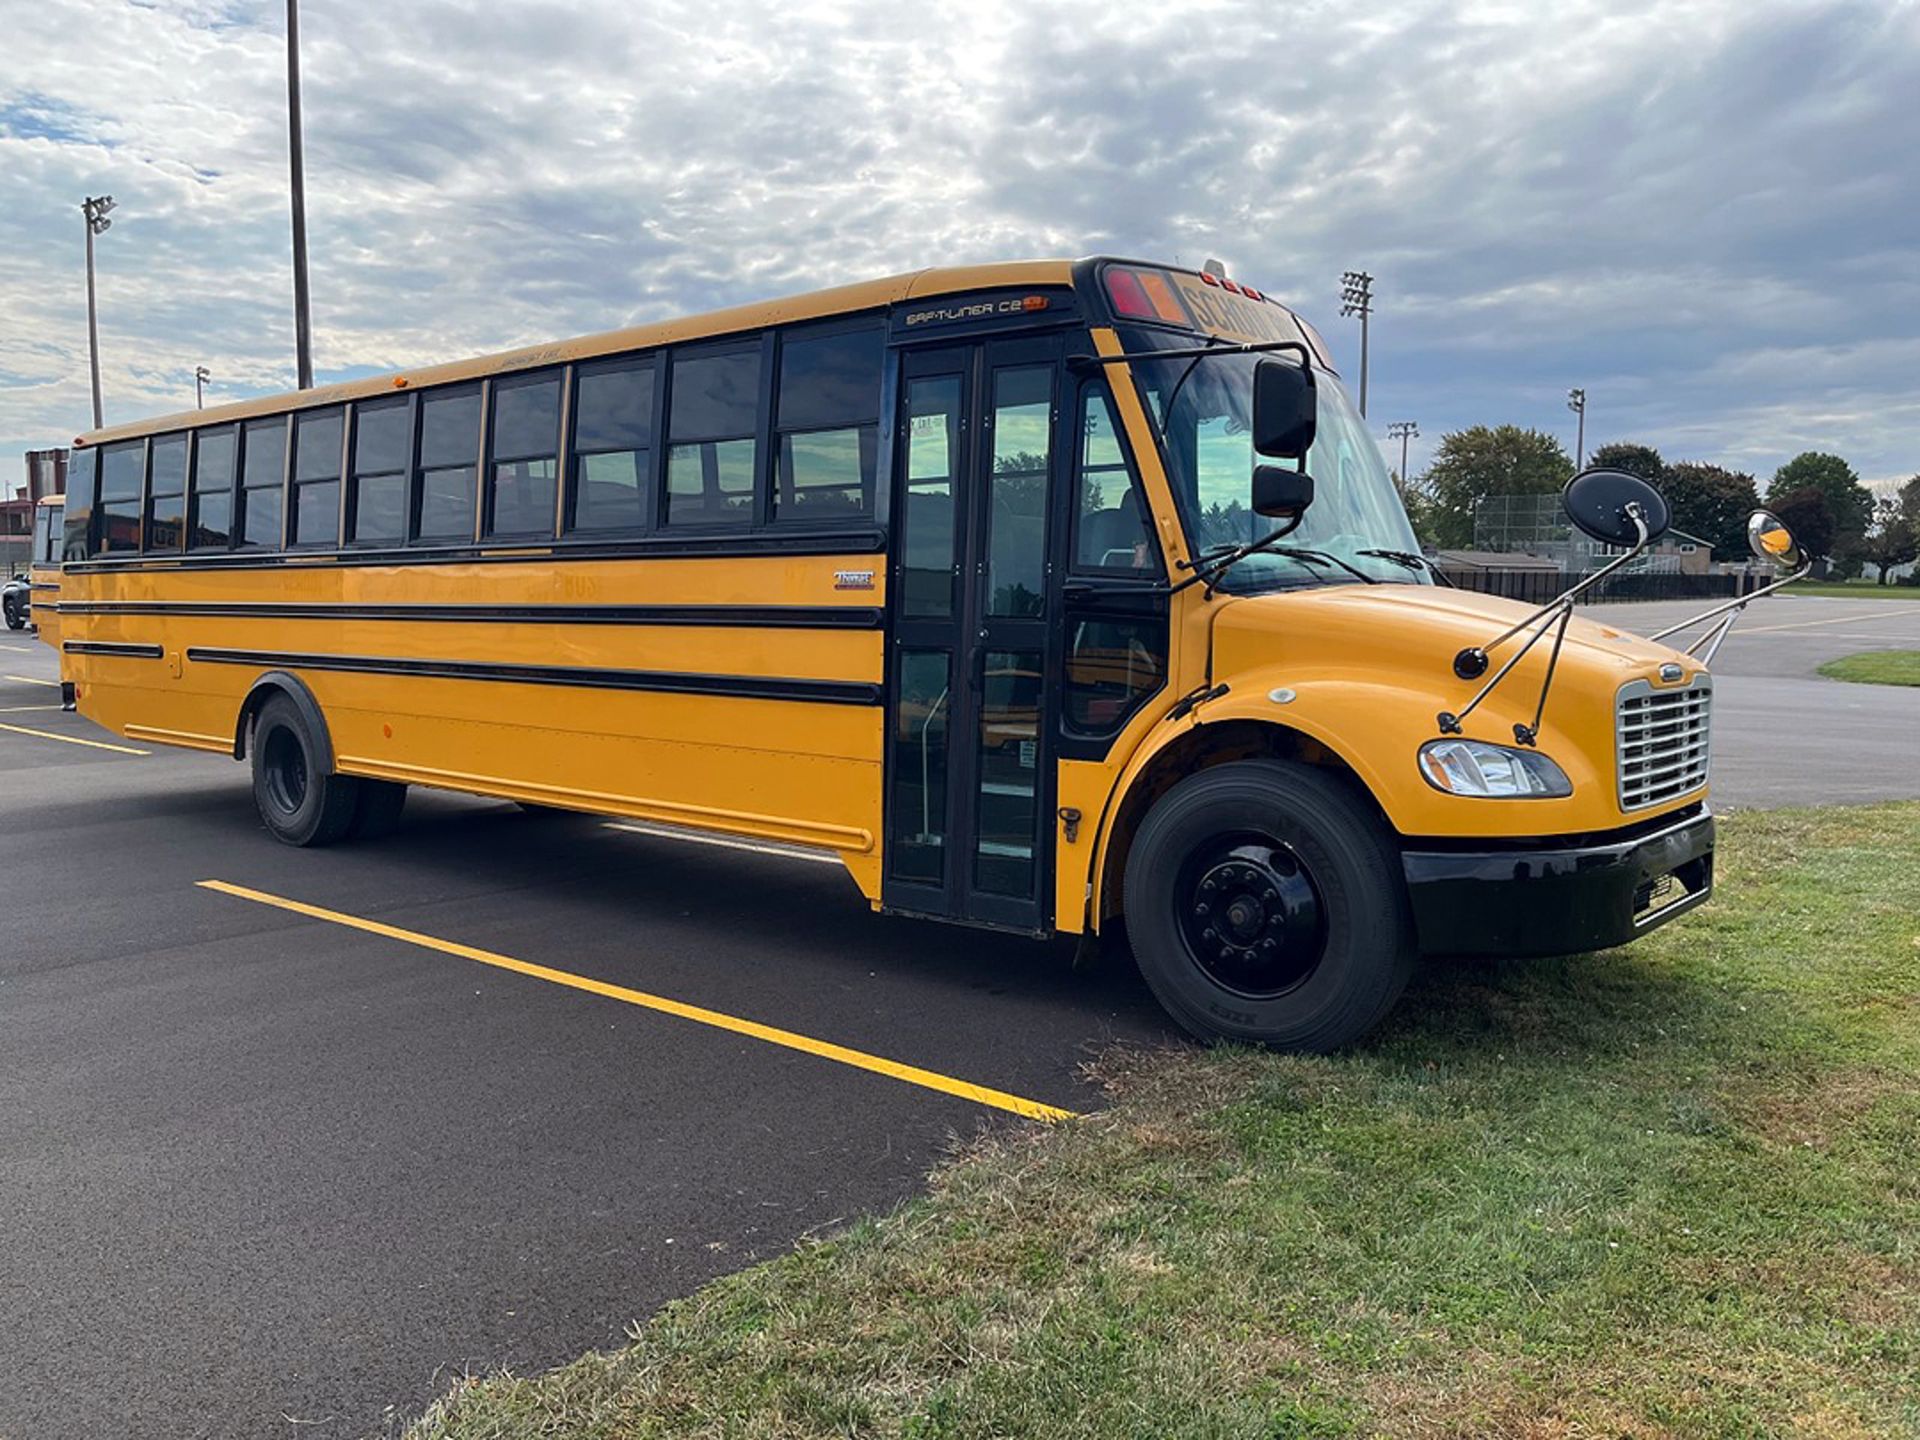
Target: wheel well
(1196, 750)
(295, 689)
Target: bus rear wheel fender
(294, 689)
(1265, 903)
(302, 800)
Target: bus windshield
(1207, 441)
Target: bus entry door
(970, 783)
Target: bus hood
(1416, 630)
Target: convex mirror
(1601, 503)
(1770, 540)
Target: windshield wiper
(1219, 559)
(1410, 561)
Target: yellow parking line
(73, 740)
(30, 680)
(824, 1049)
(1830, 620)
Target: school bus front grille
(1662, 741)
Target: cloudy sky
(1707, 212)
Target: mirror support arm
(1733, 608)
(1555, 615)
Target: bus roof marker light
(1128, 295)
(399, 382)
(1208, 277)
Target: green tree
(1848, 501)
(1641, 460)
(1713, 503)
(1808, 515)
(1893, 540)
(1906, 500)
(1483, 460)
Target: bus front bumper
(1543, 899)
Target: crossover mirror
(1284, 409)
(1770, 540)
(1281, 494)
(1602, 505)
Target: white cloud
(1703, 212)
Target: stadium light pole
(95, 208)
(302, 324)
(1356, 298)
(1403, 431)
(1577, 402)
(200, 377)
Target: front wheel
(15, 612)
(1265, 903)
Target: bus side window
(166, 494)
(377, 496)
(713, 445)
(318, 436)
(827, 424)
(448, 469)
(524, 476)
(122, 471)
(612, 462)
(210, 510)
(1113, 664)
(263, 474)
(1110, 530)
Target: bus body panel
(796, 770)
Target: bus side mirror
(1281, 494)
(1284, 409)
(1770, 540)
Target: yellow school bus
(979, 578)
(43, 572)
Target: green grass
(1853, 590)
(1876, 667)
(1669, 1190)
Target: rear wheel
(300, 803)
(1265, 903)
(15, 611)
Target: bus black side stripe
(742, 617)
(111, 647)
(746, 687)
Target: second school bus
(953, 574)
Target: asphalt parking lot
(274, 1172)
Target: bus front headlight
(1494, 772)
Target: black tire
(300, 804)
(378, 810)
(1266, 903)
(15, 613)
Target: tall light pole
(302, 329)
(95, 208)
(1356, 297)
(200, 377)
(1577, 402)
(1403, 431)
